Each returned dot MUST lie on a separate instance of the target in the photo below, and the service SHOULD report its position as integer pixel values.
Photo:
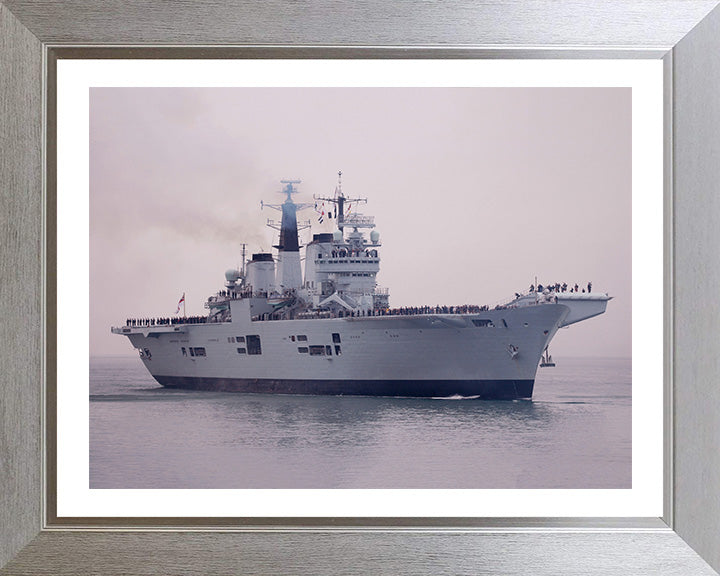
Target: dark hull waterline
(483, 389)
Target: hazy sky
(475, 191)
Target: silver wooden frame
(684, 33)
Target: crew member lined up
(141, 322)
(559, 288)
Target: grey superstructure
(332, 332)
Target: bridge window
(199, 351)
(184, 351)
(253, 344)
(337, 350)
(302, 349)
(336, 338)
(302, 338)
(482, 322)
(241, 350)
(317, 350)
(239, 338)
(328, 350)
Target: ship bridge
(338, 264)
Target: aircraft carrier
(274, 330)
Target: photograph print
(386, 288)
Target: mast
(288, 229)
(242, 267)
(289, 273)
(339, 199)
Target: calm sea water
(575, 433)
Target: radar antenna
(288, 189)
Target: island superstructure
(273, 329)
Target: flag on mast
(180, 303)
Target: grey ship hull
(490, 355)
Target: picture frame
(684, 541)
